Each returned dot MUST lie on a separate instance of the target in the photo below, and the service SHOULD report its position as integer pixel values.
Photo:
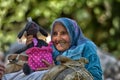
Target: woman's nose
(58, 37)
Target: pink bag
(36, 54)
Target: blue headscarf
(77, 39)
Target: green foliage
(99, 19)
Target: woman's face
(60, 37)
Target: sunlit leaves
(116, 22)
(81, 16)
(99, 19)
(112, 31)
(93, 3)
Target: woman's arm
(94, 66)
(49, 66)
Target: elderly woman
(69, 41)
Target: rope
(17, 57)
(77, 72)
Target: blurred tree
(99, 19)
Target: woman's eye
(63, 33)
(54, 33)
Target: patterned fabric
(21, 76)
(80, 47)
(36, 55)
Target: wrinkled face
(60, 37)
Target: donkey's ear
(20, 34)
(29, 21)
(43, 32)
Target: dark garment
(27, 70)
(40, 44)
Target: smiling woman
(69, 41)
(60, 37)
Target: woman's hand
(49, 66)
(29, 39)
(2, 69)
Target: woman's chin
(59, 48)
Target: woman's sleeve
(21, 50)
(94, 66)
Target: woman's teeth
(62, 43)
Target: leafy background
(99, 19)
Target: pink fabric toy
(36, 54)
